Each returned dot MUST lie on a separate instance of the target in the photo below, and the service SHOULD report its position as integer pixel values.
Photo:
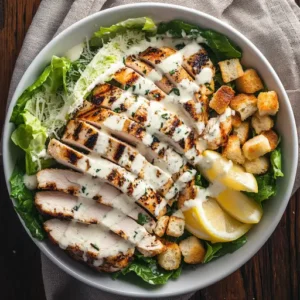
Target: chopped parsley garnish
(179, 46)
(133, 88)
(83, 189)
(172, 72)
(76, 207)
(95, 246)
(165, 116)
(117, 110)
(145, 71)
(176, 91)
(126, 87)
(98, 170)
(142, 219)
(147, 92)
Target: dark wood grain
(273, 273)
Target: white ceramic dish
(203, 275)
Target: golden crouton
(236, 119)
(249, 83)
(192, 250)
(272, 138)
(171, 258)
(246, 105)
(161, 226)
(231, 69)
(233, 151)
(242, 132)
(261, 123)
(175, 227)
(257, 166)
(256, 147)
(221, 99)
(267, 103)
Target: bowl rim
(44, 247)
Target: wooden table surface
(273, 273)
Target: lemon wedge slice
(216, 168)
(239, 206)
(207, 220)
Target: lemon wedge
(207, 220)
(239, 206)
(216, 168)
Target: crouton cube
(242, 132)
(257, 166)
(179, 214)
(256, 147)
(249, 83)
(267, 103)
(233, 151)
(236, 119)
(192, 250)
(246, 105)
(231, 69)
(221, 99)
(161, 226)
(272, 138)
(171, 258)
(261, 123)
(175, 227)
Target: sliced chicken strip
(149, 72)
(83, 185)
(83, 135)
(159, 153)
(217, 130)
(133, 82)
(93, 244)
(87, 211)
(156, 119)
(111, 173)
(187, 92)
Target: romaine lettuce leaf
(26, 96)
(147, 269)
(266, 187)
(222, 47)
(276, 163)
(25, 202)
(31, 137)
(104, 34)
(220, 249)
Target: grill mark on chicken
(119, 152)
(73, 157)
(91, 141)
(76, 132)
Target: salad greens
(222, 47)
(220, 249)
(147, 269)
(104, 34)
(25, 202)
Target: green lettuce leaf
(266, 187)
(222, 47)
(147, 269)
(31, 137)
(25, 202)
(201, 181)
(220, 249)
(276, 163)
(104, 34)
(26, 96)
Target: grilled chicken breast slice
(187, 93)
(152, 115)
(84, 185)
(111, 173)
(149, 72)
(87, 211)
(83, 135)
(137, 84)
(93, 244)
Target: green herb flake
(142, 219)
(175, 91)
(76, 207)
(95, 246)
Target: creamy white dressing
(154, 75)
(205, 76)
(114, 122)
(75, 52)
(30, 181)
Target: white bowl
(202, 275)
